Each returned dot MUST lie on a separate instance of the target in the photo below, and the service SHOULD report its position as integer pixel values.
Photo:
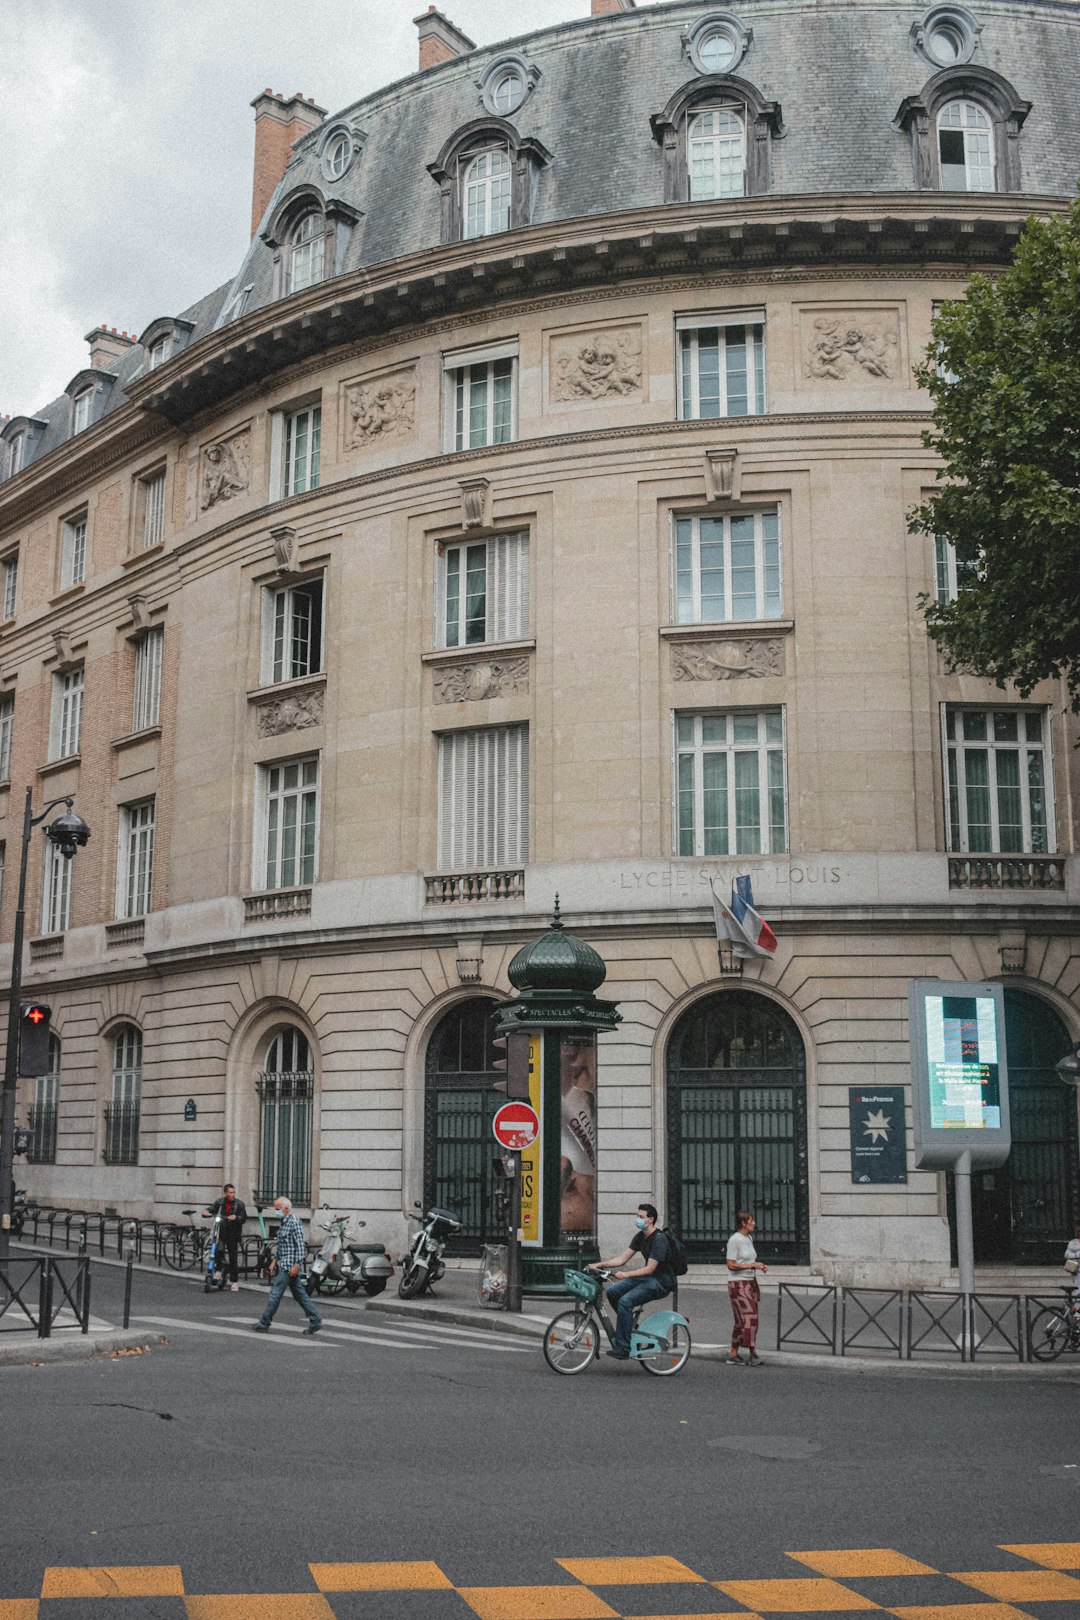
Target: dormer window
(80, 410)
(16, 453)
(157, 354)
(718, 44)
(716, 154)
(965, 131)
(485, 184)
(338, 156)
(306, 252)
(965, 147)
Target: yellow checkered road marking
(862, 1561)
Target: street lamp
(68, 833)
(1068, 1067)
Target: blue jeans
(281, 1281)
(626, 1296)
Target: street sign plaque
(516, 1126)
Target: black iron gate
(736, 1118)
(459, 1103)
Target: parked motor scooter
(354, 1265)
(18, 1211)
(423, 1265)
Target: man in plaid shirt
(285, 1270)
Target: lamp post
(68, 832)
(1068, 1067)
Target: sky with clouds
(127, 137)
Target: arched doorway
(736, 1126)
(458, 1106)
(1024, 1213)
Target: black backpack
(678, 1259)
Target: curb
(78, 1346)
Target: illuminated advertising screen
(959, 1074)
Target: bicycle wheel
(666, 1362)
(178, 1248)
(1049, 1335)
(571, 1341)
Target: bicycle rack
(823, 1296)
(870, 1330)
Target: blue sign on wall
(878, 1134)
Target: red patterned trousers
(744, 1295)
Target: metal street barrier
(808, 1304)
(876, 1320)
(38, 1291)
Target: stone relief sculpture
(226, 469)
(466, 683)
(382, 409)
(294, 713)
(726, 660)
(839, 348)
(606, 365)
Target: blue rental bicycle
(660, 1342)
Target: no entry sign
(516, 1126)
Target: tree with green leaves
(1004, 375)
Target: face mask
(640, 1224)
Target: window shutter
(508, 587)
(483, 797)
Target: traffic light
(514, 1064)
(34, 1038)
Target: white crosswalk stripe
(422, 1337)
(206, 1327)
(425, 1333)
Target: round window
(338, 155)
(716, 50)
(507, 91)
(945, 43)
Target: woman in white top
(743, 1290)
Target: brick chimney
(600, 8)
(279, 121)
(107, 345)
(440, 39)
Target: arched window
(716, 154)
(306, 252)
(485, 200)
(122, 1111)
(286, 1090)
(459, 1104)
(42, 1148)
(965, 144)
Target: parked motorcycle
(18, 1211)
(354, 1266)
(423, 1265)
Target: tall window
(950, 576)
(727, 568)
(123, 1110)
(65, 732)
(56, 892)
(152, 501)
(73, 551)
(136, 864)
(484, 798)
(965, 147)
(7, 726)
(286, 1090)
(146, 709)
(730, 783)
(716, 154)
(481, 401)
(10, 584)
(44, 1110)
(999, 781)
(290, 822)
(721, 364)
(306, 253)
(292, 631)
(303, 439)
(16, 454)
(80, 410)
(485, 185)
(483, 591)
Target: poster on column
(878, 1134)
(577, 1135)
(532, 1158)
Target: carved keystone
(475, 503)
(284, 539)
(723, 475)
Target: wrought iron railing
(1006, 872)
(42, 1149)
(447, 887)
(121, 1133)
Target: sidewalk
(19, 1349)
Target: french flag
(748, 932)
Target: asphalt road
(244, 1460)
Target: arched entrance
(1024, 1213)
(736, 1126)
(458, 1106)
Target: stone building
(527, 516)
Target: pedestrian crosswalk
(843, 1580)
(338, 1333)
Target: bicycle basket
(582, 1284)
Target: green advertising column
(555, 977)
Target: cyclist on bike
(633, 1288)
(233, 1215)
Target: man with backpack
(651, 1281)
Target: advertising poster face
(532, 1158)
(878, 1134)
(962, 1059)
(577, 1135)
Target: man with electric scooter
(233, 1214)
